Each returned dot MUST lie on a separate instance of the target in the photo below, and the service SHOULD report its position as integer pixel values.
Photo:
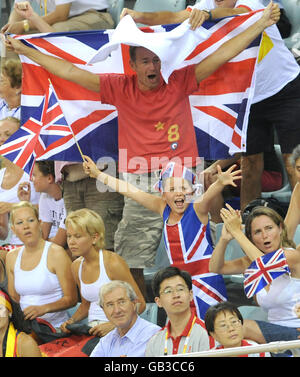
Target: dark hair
(46, 167)
(295, 155)
(276, 218)
(214, 310)
(132, 52)
(167, 273)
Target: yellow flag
(265, 46)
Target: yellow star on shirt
(159, 126)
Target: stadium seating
(150, 313)
(253, 312)
(297, 235)
(285, 192)
(161, 261)
(292, 8)
(115, 9)
(159, 5)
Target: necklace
(186, 339)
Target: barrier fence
(273, 347)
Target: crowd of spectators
(67, 245)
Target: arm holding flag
(196, 17)
(59, 67)
(150, 201)
(234, 46)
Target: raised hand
(229, 176)
(24, 191)
(231, 219)
(90, 168)
(197, 18)
(271, 14)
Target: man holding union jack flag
(273, 276)
(154, 117)
(277, 88)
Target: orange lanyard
(186, 339)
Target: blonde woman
(94, 267)
(39, 272)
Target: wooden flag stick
(3, 50)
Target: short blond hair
(88, 221)
(11, 119)
(12, 68)
(23, 204)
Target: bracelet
(209, 14)
(26, 25)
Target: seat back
(161, 261)
(292, 8)
(159, 5)
(115, 9)
(233, 250)
(253, 312)
(150, 313)
(284, 193)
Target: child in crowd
(186, 226)
(224, 323)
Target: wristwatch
(209, 13)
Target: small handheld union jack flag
(263, 271)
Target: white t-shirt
(5, 111)
(77, 7)
(52, 211)
(11, 196)
(278, 67)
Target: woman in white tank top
(94, 267)
(39, 273)
(265, 232)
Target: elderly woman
(265, 232)
(10, 88)
(39, 273)
(14, 343)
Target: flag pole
(76, 142)
(3, 50)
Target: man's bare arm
(58, 67)
(237, 44)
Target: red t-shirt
(246, 343)
(155, 123)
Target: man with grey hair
(129, 338)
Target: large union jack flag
(220, 108)
(263, 271)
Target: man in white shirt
(64, 15)
(129, 338)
